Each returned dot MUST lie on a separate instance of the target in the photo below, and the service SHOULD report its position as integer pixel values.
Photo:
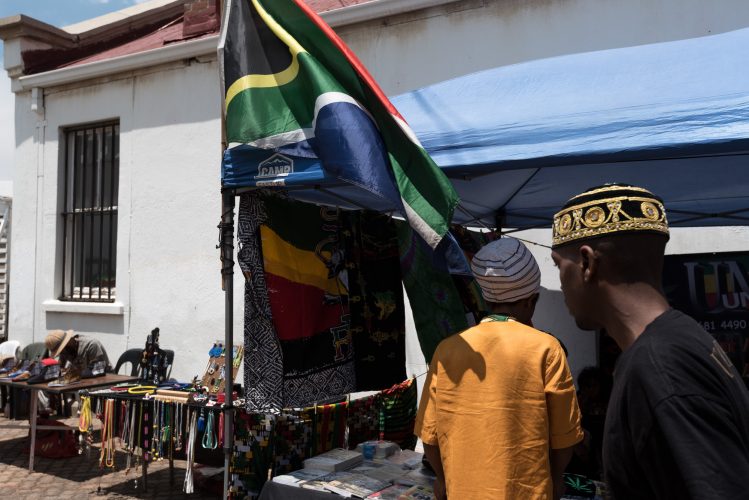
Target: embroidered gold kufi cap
(606, 210)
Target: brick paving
(80, 477)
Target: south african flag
(294, 89)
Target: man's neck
(630, 309)
(505, 310)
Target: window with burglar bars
(89, 215)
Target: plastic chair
(19, 397)
(169, 362)
(9, 349)
(133, 357)
(34, 351)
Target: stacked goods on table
(334, 460)
(382, 449)
(396, 474)
(15, 371)
(172, 395)
(30, 371)
(69, 376)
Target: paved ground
(80, 477)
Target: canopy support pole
(226, 228)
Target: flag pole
(227, 272)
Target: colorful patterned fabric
(470, 242)
(284, 441)
(362, 420)
(329, 430)
(303, 260)
(263, 363)
(392, 412)
(252, 454)
(398, 405)
(376, 300)
(323, 302)
(293, 440)
(435, 302)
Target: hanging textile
(324, 311)
(263, 363)
(376, 300)
(390, 414)
(470, 242)
(252, 453)
(307, 283)
(398, 407)
(293, 440)
(329, 430)
(435, 302)
(362, 420)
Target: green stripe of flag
(256, 113)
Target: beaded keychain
(209, 437)
(178, 427)
(125, 425)
(155, 431)
(192, 419)
(86, 426)
(166, 430)
(382, 424)
(146, 439)
(130, 439)
(106, 458)
(221, 429)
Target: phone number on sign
(724, 325)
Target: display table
(107, 380)
(146, 405)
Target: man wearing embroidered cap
(498, 415)
(677, 424)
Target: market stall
(517, 141)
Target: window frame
(84, 203)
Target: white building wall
(416, 49)
(168, 270)
(24, 225)
(169, 202)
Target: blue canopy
(517, 141)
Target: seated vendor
(77, 352)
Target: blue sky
(62, 12)
(57, 13)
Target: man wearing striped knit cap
(498, 415)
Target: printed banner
(714, 290)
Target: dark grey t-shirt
(89, 351)
(677, 425)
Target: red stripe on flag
(350, 56)
(299, 310)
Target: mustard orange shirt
(497, 398)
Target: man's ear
(588, 263)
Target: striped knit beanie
(506, 271)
